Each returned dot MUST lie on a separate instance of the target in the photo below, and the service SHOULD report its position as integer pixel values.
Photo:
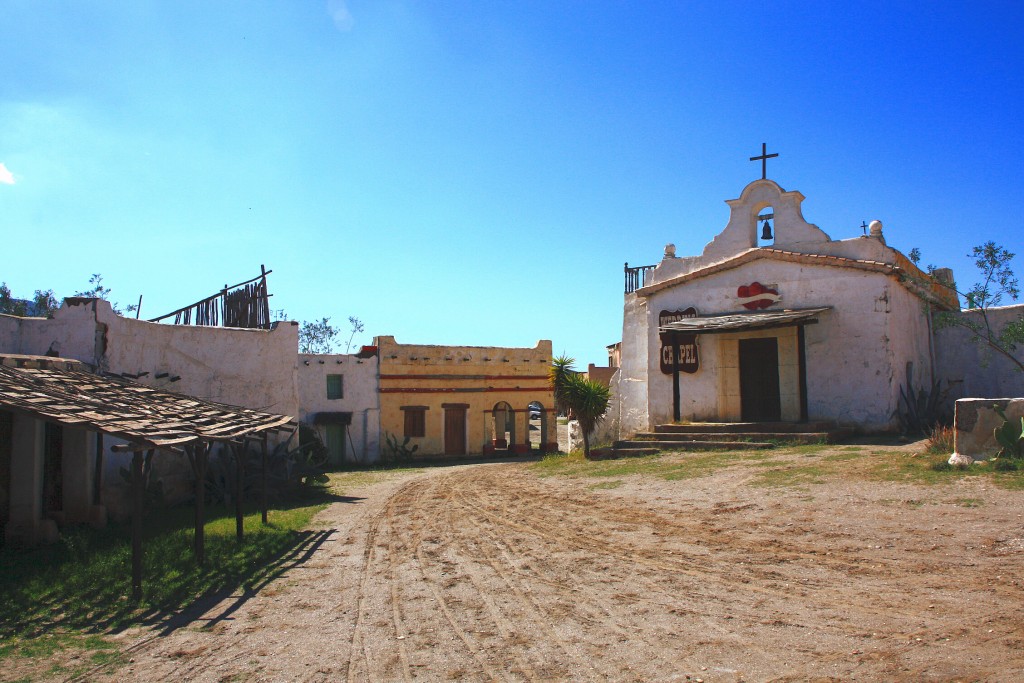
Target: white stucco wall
(853, 353)
(251, 368)
(973, 370)
(360, 397)
(856, 355)
(629, 385)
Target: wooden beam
(239, 485)
(137, 510)
(263, 479)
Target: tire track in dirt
(519, 582)
(830, 618)
(606, 611)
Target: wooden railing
(635, 276)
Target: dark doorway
(455, 429)
(6, 434)
(759, 380)
(53, 469)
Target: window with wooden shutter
(335, 386)
(415, 421)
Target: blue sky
(466, 172)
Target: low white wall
(975, 421)
(971, 368)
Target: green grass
(69, 595)
(816, 464)
(54, 649)
(696, 464)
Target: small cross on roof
(764, 159)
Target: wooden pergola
(148, 420)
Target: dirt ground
(490, 572)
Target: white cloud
(6, 177)
(342, 18)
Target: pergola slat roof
(58, 391)
(732, 322)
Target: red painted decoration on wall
(755, 296)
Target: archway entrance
(537, 423)
(503, 425)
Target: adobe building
(775, 321)
(466, 400)
(338, 398)
(251, 368)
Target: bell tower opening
(764, 227)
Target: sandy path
(488, 573)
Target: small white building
(339, 398)
(775, 321)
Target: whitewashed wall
(360, 397)
(973, 370)
(857, 354)
(251, 368)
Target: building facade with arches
(466, 400)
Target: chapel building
(783, 325)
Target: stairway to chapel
(698, 436)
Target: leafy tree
(588, 402)
(42, 304)
(998, 281)
(317, 336)
(357, 326)
(45, 303)
(10, 305)
(98, 291)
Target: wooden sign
(678, 345)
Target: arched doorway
(537, 422)
(503, 425)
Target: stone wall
(974, 422)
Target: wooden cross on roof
(764, 159)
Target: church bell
(766, 230)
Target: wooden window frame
(415, 421)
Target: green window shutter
(335, 386)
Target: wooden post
(676, 412)
(238, 450)
(97, 477)
(263, 478)
(801, 354)
(199, 548)
(137, 526)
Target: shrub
(940, 440)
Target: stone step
(692, 445)
(748, 427)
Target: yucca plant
(558, 376)
(587, 401)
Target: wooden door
(759, 380)
(455, 430)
